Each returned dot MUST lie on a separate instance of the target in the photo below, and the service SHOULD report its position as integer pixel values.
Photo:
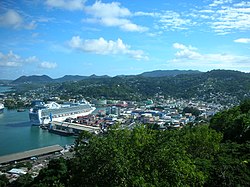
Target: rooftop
(30, 153)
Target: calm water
(16, 134)
(5, 89)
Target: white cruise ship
(1, 108)
(42, 114)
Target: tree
(54, 175)
(233, 123)
(192, 110)
(22, 181)
(4, 181)
(141, 157)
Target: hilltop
(47, 79)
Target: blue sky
(85, 37)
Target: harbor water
(17, 134)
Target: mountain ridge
(149, 74)
(46, 78)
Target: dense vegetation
(217, 85)
(234, 123)
(204, 155)
(204, 86)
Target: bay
(17, 135)
(5, 89)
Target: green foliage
(22, 181)
(245, 106)
(54, 175)
(144, 157)
(192, 110)
(215, 86)
(231, 166)
(3, 181)
(14, 104)
(234, 123)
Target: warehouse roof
(30, 153)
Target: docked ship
(1, 108)
(43, 114)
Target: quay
(75, 126)
(29, 154)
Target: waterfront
(17, 135)
(5, 89)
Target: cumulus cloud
(242, 40)
(66, 4)
(112, 15)
(190, 55)
(47, 65)
(104, 47)
(13, 19)
(13, 60)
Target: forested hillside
(217, 154)
(217, 86)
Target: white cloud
(171, 20)
(66, 4)
(242, 40)
(190, 56)
(13, 19)
(104, 47)
(10, 60)
(151, 14)
(107, 10)
(112, 15)
(219, 2)
(47, 65)
(13, 60)
(225, 17)
(31, 59)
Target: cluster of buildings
(164, 114)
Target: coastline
(17, 134)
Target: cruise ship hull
(44, 117)
(1, 108)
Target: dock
(76, 126)
(31, 153)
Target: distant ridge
(32, 79)
(168, 73)
(78, 77)
(151, 74)
(70, 78)
(47, 79)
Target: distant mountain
(167, 73)
(78, 77)
(70, 78)
(218, 86)
(98, 77)
(32, 79)
(47, 79)
(221, 74)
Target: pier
(75, 126)
(31, 153)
